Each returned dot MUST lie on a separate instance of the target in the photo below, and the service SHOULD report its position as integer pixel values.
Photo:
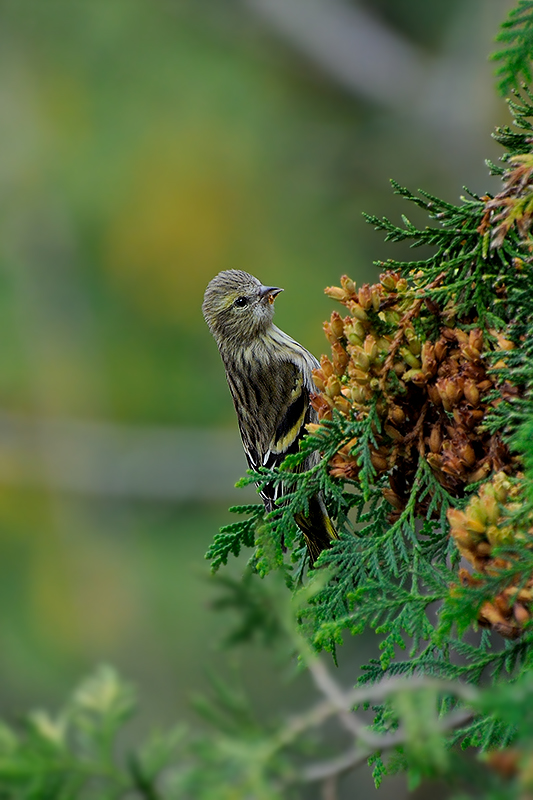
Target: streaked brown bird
(270, 378)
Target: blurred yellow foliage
(179, 223)
(66, 581)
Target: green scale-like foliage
(441, 684)
(516, 36)
(383, 574)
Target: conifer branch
(425, 418)
(517, 37)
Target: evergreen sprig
(516, 34)
(445, 681)
(395, 570)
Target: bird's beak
(270, 292)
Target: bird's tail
(317, 528)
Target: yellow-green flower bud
(388, 281)
(476, 516)
(414, 343)
(383, 344)
(402, 285)
(502, 487)
(336, 293)
(370, 347)
(358, 311)
(365, 297)
(500, 534)
(417, 376)
(333, 386)
(319, 379)
(339, 357)
(360, 377)
(337, 325)
(354, 332)
(361, 360)
(327, 366)
(348, 285)
(392, 317)
(410, 358)
(328, 333)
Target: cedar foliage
(426, 433)
(426, 416)
(516, 34)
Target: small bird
(270, 378)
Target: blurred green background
(146, 145)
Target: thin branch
(380, 691)
(334, 767)
(388, 686)
(353, 758)
(340, 703)
(340, 700)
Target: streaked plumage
(269, 376)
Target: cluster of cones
(431, 378)
(481, 527)
(428, 377)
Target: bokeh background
(144, 146)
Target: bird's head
(237, 307)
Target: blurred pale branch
(75, 750)
(351, 45)
(341, 704)
(366, 742)
(361, 53)
(102, 458)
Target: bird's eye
(240, 302)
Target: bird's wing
(272, 408)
